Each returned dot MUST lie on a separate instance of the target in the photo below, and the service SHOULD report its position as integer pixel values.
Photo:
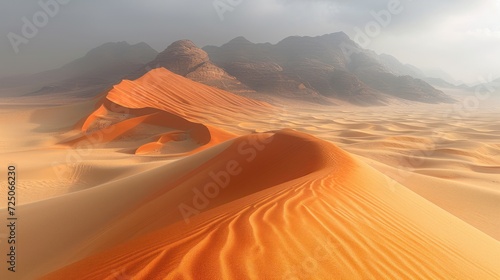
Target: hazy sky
(461, 37)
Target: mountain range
(100, 68)
(319, 65)
(186, 59)
(294, 67)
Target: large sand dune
(165, 178)
(330, 217)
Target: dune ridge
(164, 90)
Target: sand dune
(165, 178)
(450, 159)
(160, 130)
(333, 216)
(170, 92)
(157, 107)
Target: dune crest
(164, 90)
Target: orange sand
(165, 178)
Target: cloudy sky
(461, 37)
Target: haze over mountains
(99, 69)
(330, 66)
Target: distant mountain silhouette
(186, 59)
(331, 65)
(437, 78)
(98, 69)
(440, 74)
(397, 68)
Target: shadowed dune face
(155, 110)
(114, 122)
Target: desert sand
(166, 178)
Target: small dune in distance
(250, 161)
